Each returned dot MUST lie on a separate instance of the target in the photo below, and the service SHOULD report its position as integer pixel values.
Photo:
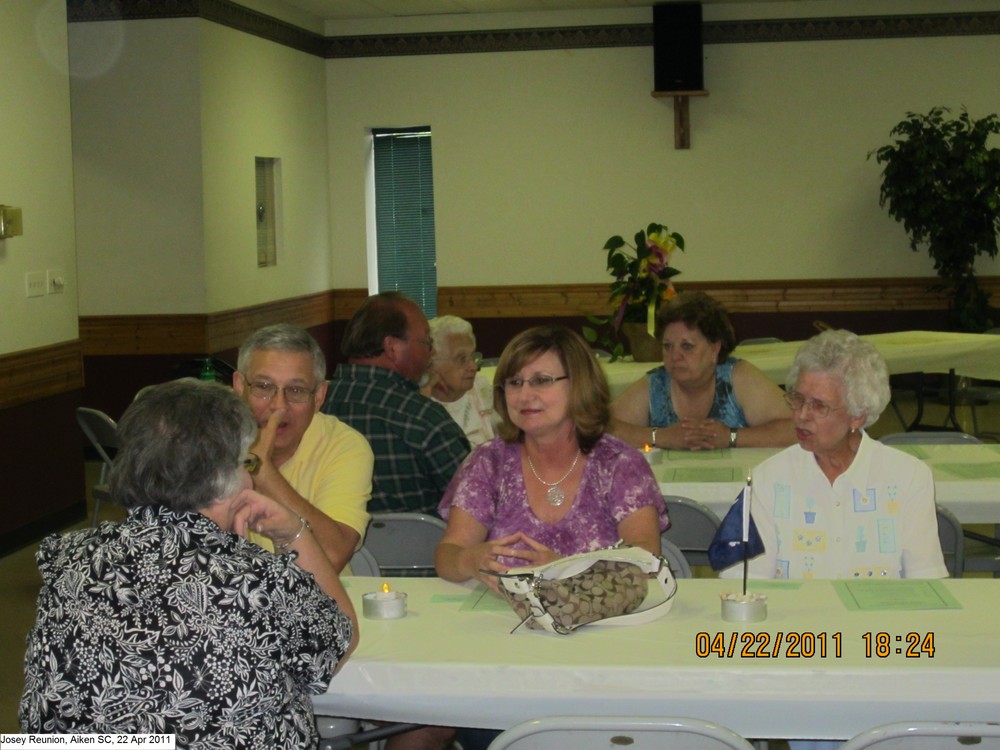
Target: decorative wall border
(212, 332)
(215, 332)
(224, 12)
(34, 374)
(498, 40)
(859, 27)
(236, 16)
(641, 35)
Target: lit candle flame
(385, 588)
(647, 448)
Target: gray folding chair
(692, 527)
(363, 563)
(676, 560)
(603, 732)
(974, 392)
(983, 554)
(952, 541)
(928, 735)
(102, 432)
(404, 543)
(919, 437)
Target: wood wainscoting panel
(110, 335)
(42, 463)
(143, 334)
(535, 301)
(835, 295)
(215, 332)
(811, 295)
(39, 373)
(227, 330)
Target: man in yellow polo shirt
(312, 463)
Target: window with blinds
(404, 214)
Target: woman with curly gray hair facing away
(840, 504)
(172, 621)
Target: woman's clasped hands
(485, 558)
(703, 434)
(693, 435)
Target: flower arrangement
(642, 273)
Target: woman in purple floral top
(553, 484)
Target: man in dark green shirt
(417, 445)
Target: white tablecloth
(966, 477)
(974, 354)
(449, 663)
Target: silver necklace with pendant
(555, 495)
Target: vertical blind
(404, 215)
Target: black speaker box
(677, 56)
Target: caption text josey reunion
(85, 741)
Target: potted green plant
(642, 281)
(942, 181)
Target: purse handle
(668, 584)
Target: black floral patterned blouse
(166, 623)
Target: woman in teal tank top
(701, 398)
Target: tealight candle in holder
(384, 605)
(652, 454)
(743, 607)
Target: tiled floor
(17, 603)
(20, 577)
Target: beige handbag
(604, 587)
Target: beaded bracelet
(285, 545)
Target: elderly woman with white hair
(840, 504)
(453, 380)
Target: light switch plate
(34, 284)
(55, 281)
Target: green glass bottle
(207, 370)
